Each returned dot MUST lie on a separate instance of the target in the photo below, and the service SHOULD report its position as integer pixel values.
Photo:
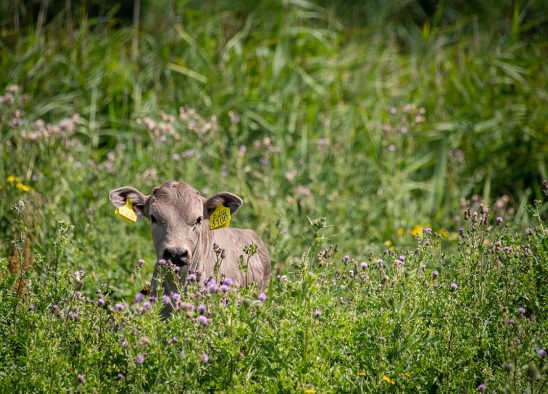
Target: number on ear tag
(126, 212)
(220, 218)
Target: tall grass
(417, 320)
(379, 130)
(385, 117)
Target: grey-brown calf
(179, 217)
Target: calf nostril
(176, 256)
(168, 254)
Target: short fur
(177, 208)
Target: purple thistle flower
(188, 153)
(81, 379)
(120, 376)
(481, 388)
(402, 258)
(380, 262)
(203, 320)
(498, 220)
(317, 313)
(101, 301)
(119, 306)
(191, 277)
(161, 262)
(165, 299)
(174, 339)
(205, 358)
(428, 230)
(78, 294)
(201, 309)
(139, 359)
(542, 353)
(507, 249)
(146, 305)
(73, 315)
(262, 297)
(140, 263)
(461, 231)
(511, 322)
(435, 274)
(521, 311)
(139, 297)
(345, 259)
(186, 306)
(227, 282)
(31, 308)
(175, 296)
(144, 341)
(454, 286)
(212, 287)
(152, 299)
(224, 288)
(124, 344)
(363, 264)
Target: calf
(181, 233)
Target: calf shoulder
(234, 240)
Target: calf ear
(118, 198)
(229, 200)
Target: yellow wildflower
(388, 243)
(406, 374)
(12, 179)
(453, 236)
(388, 380)
(416, 231)
(400, 231)
(444, 233)
(362, 373)
(23, 187)
(309, 391)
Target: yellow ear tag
(126, 212)
(220, 217)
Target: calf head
(176, 212)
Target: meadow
(391, 154)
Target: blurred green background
(383, 116)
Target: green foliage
(383, 118)
(418, 320)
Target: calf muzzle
(179, 257)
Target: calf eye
(153, 219)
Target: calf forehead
(178, 197)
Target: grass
(421, 321)
(385, 118)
